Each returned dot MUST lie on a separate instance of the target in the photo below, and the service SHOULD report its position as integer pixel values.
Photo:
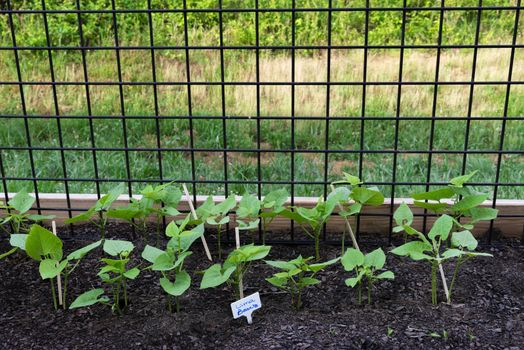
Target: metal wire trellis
(150, 51)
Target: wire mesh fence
(235, 96)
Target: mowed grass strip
(275, 100)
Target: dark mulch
(487, 311)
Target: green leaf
(352, 180)
(50, 268)
(132, 274)
(403, 215)
(459, 181)
(89, 298)
(464, 239)
(353, 209)
(412, 248)
(367, 196)
(164, 262)
(376, 259)
(248, 253)
(353, 281)
(277, 282)
(85, 216)
(170, 195)
(106, 201)
(214, 276)
(339, 195)
(80, 253)
(452, 253)
(320, 266)
(248, 207)
(275, 199)
(41, 243)
(250, 225)
(441, 227)
(151, 253)
(38, 217)
(22, 201)
(177, 288)
(436, 195)
(115, 247)
(180, 260)
(18, 240)
(434, 207)
(308, 281)
(469, 202)
(206, 209)
(125, 213)
(169, 211)
(386, 275)
(283, 265)
(227, 205)
(482, 214)
(186, 238)
(351, 259)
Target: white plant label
(246, 306)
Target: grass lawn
(275, 100)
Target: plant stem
(64, 300)
(434, 283)
(169, 304)
(299, 300)
(177, 301)
(370, 285)
(359, 293)
(455, 273)
(125, 290)
(158, 219)
(317, 247)
(219, 242)
(102, 225)
(53, 293)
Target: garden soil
(487, 311)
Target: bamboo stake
(193, 212)
(59, 277)
(240, 283)
(351, 234)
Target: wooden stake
(193, 212)
(240, 283)
(351, 234)
(59, 277)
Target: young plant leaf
(22, 201)
(403, 215)
(376, 259)
(42, 243)
(115, 247)
(151, 253)
(89, 298)
(18, 240)
(351, 259)
(214, 276)
(80, 253)
(386, 275)
(50, 268)
(464, 239)
(469, 202)
(179, 286)
(441, 227)
(459, 181)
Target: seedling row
(449, 241)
